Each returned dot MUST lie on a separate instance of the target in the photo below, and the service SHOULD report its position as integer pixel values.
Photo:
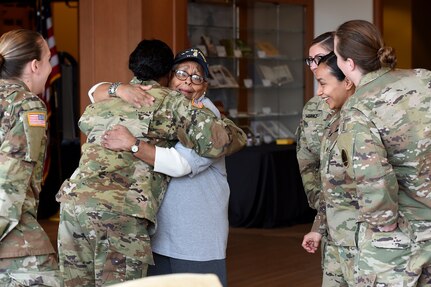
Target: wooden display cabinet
(256, 51)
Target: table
(266, 188)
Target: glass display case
(255, 50)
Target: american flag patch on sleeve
(36, 119)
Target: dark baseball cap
(193, 54)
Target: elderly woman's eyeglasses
(183, 75)
(315, 60)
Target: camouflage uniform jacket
(385, 144)
(315, 117)
(338, 210)
(120, 182)
(22, 150)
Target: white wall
(329, 14)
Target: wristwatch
(135, 147)
(112, 91)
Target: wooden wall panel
(108, 33)
(166, 20)
(87, 50)
(109, 30)
(421, 41)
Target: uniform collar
(371, 76)
(15, 83)
(135, 80)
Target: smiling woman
(334, 87)
(190, 74)
(336, 198)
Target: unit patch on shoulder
(36, 119)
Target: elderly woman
(193, 225)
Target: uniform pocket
(36, 278)
(128, 252)
(418, 230)
(390, 240)
(135, 245)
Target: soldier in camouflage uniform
(27, 257)
(315, 118)
(337, 213)
(385, 144)
(109, 205)
(338, 210)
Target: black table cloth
(266, 188)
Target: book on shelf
(275, 129)
(221, 77)
(235, 47)
(277, 75)
(221, 51)
(245, 49)
(210, 47)
(229, 46)
(267, 49)
(203, 48)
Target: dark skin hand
(119, 138)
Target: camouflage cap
(193, 54)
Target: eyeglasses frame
(316, 59)
(189, 76)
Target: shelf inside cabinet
(260, 46)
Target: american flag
(37, 119)
(46, 29)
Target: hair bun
(387, 56)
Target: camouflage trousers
(419, 266)
(338, 264)
(39, 270)
(99, 248)
(382, 257)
